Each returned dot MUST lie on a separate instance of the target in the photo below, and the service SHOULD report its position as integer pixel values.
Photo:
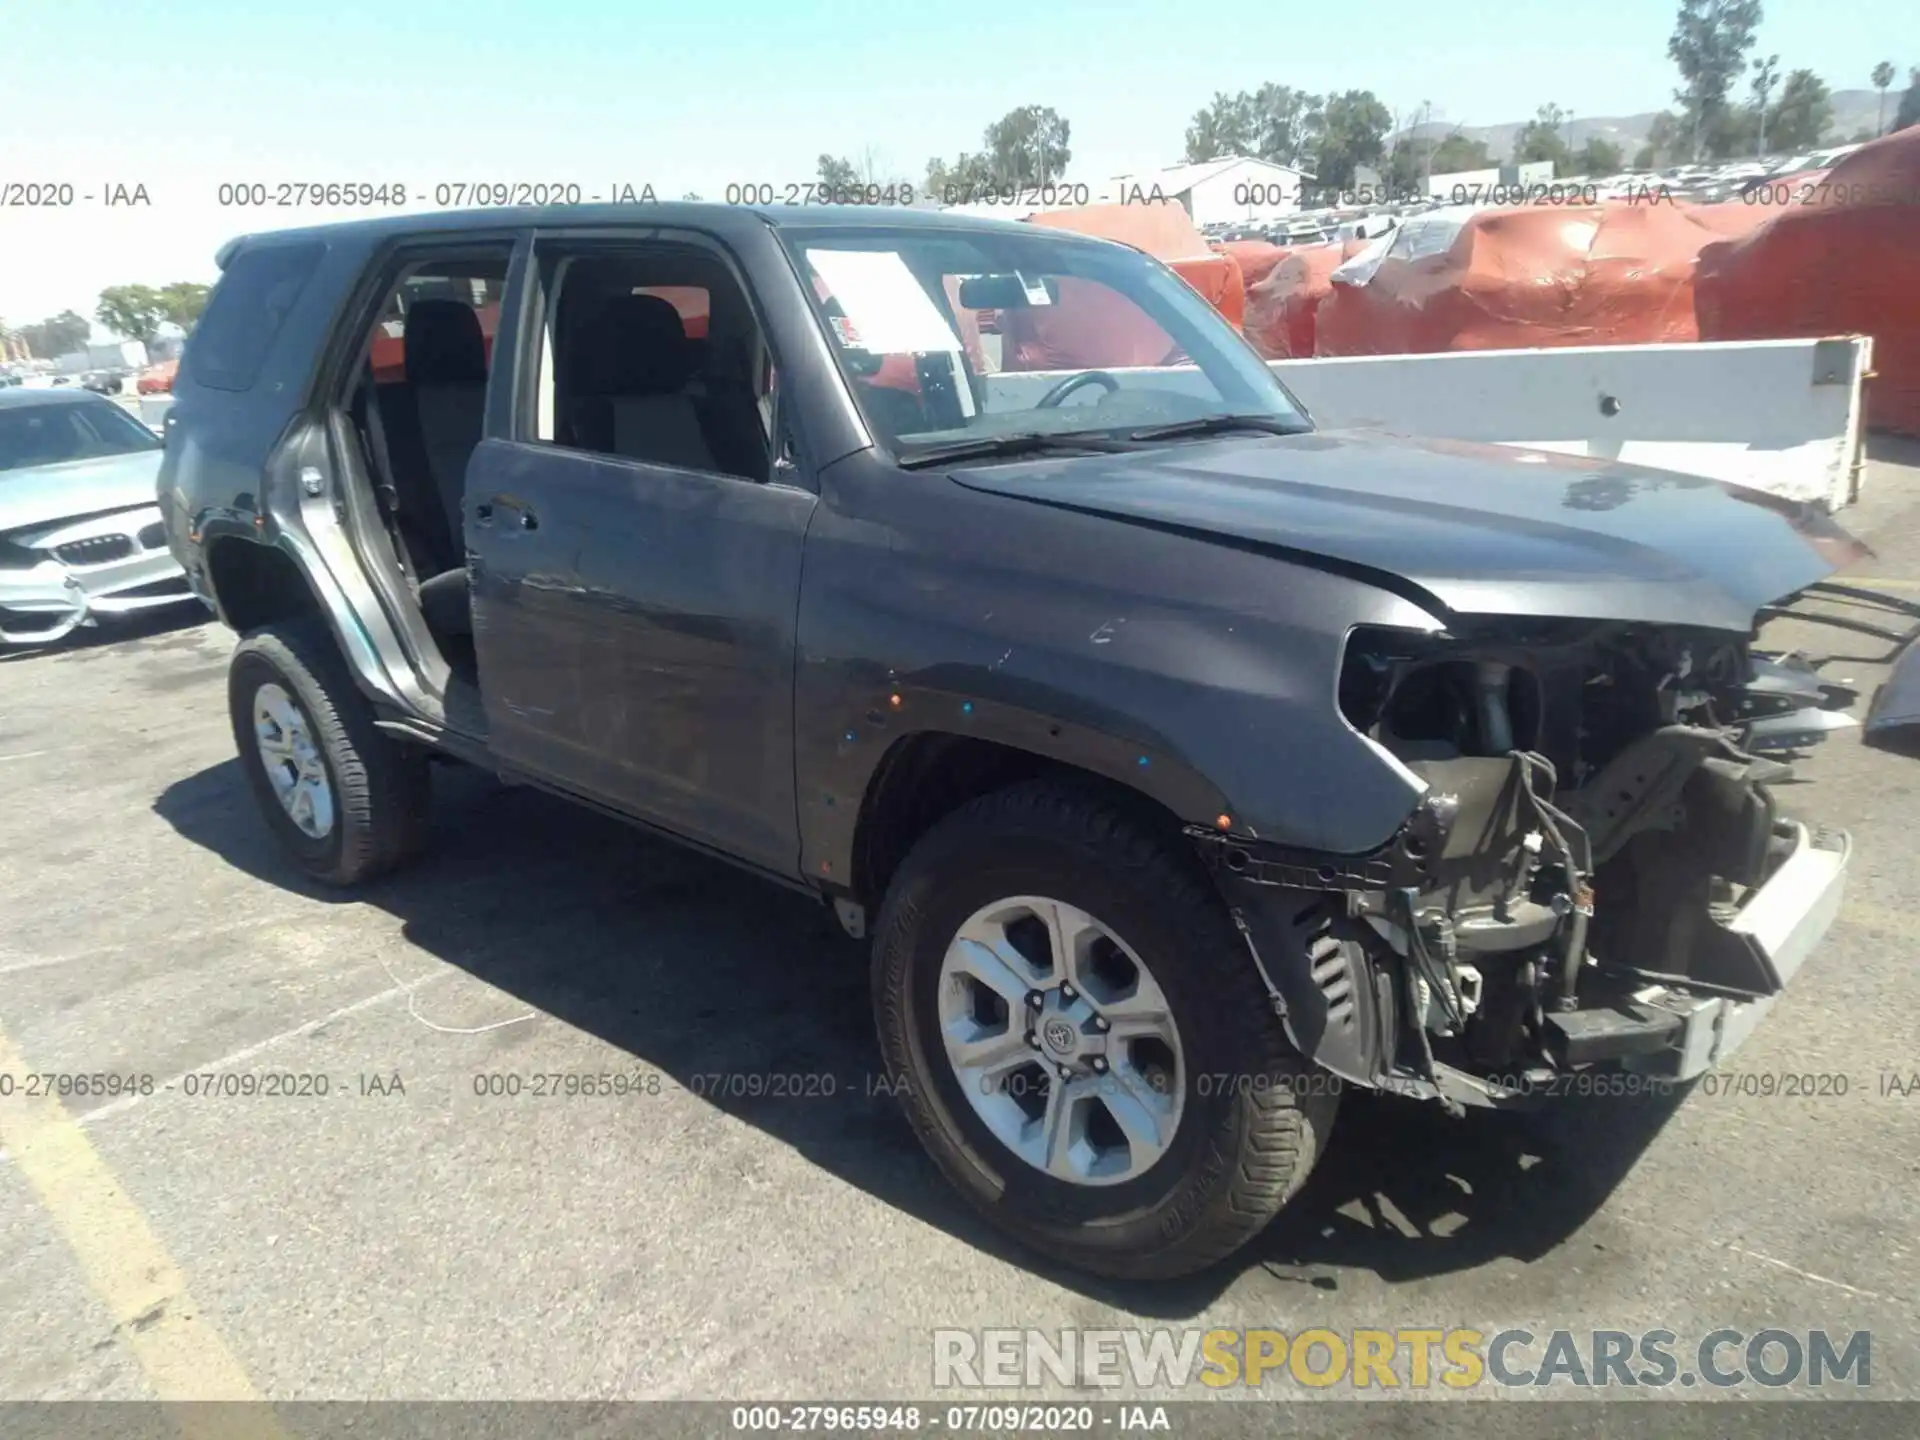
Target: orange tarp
(1842, 257)
(1617, 273)
(1256, 257)
(1087, 326)
(1164, 230)
(1281, 308)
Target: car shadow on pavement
(699, 970)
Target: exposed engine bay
(1599, 808)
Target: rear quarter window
(256, 293)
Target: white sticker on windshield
(885, 306)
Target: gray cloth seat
(446, 360)
(628, 364)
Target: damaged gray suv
(1186, 764)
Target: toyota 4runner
(1185, 763)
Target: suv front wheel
(1081, 1039)
(347, 801)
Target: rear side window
(255, 295)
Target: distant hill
(1852, 110)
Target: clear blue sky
(184, 94)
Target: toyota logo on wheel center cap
(1059, 1036)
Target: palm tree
(1882, 78)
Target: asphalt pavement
(428, 1228)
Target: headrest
(630, 345)
(444, 344)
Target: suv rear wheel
(347, 801)
(1082, 1041)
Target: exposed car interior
(658, 358)
(420, 406)
(655, 356)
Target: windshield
(60, 430)
(951, 336)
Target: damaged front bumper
(107, 565)
(1893, 713)
(1500, 943)
(1684, 1033)
(1339, 1007)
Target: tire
(380, 790)
(1239, 1150)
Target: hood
(46, 493)
(1464, 528)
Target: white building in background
(1230, 190)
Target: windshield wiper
(1221, 425)
(999, 447)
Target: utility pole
(1426, 187)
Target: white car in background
(80, 531)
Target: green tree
(1407, 166)
(1801, 119)
(1287, 124)
(836, 173)
(1766, 74)
(1225, 125)
(183, 301)
(1543, 138)
(1663, 139)
(955, 182)
(1353, 132)
(1275, 122)
(1909, 111)
(1416, 159)
(61, 335)
(1458, 152)
(1029, 146)
(1599, 157)
(135, 311)
(1709, 45)
(1883, 74)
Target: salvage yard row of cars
(1150, 733)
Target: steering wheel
(1051, 400)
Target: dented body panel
(1199, 674)
(1482, 529)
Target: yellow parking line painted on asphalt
(129, 1269)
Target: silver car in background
(80, 533)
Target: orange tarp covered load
(1842, 256)
(1107, 331)
(1281, 308)
(1617, 273)
(1256, 257)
